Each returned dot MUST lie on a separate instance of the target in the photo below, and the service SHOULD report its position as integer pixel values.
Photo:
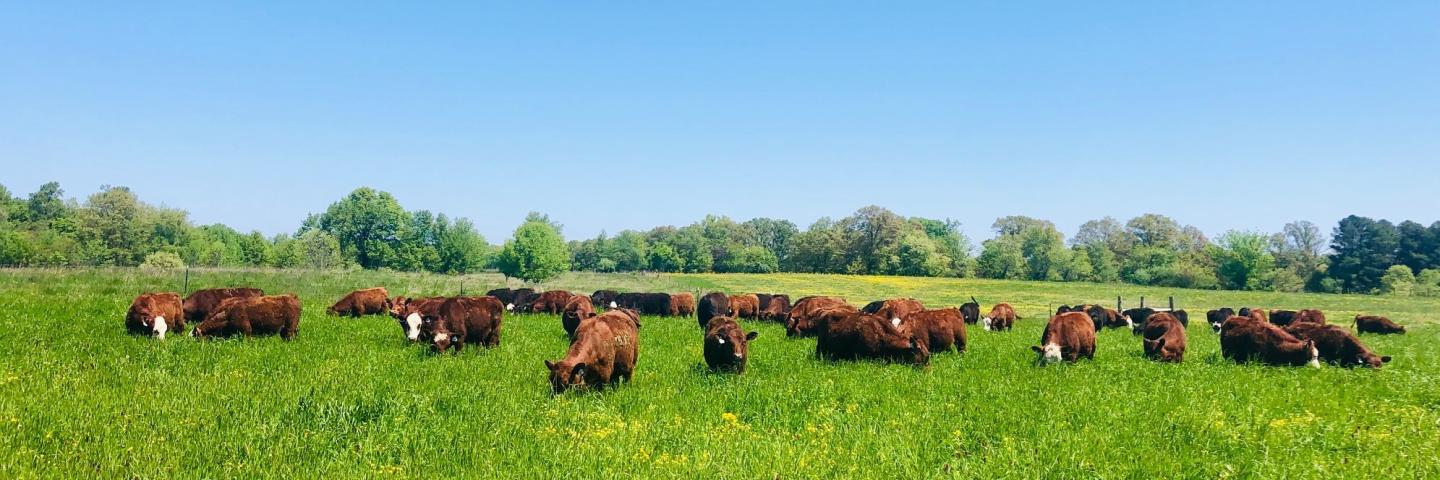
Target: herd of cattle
(604, 342)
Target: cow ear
(549, 365)
(1385, 359)
(751, 336)
(578, 370)
(1037, 348)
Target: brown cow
(802, 319)
(894, 309)
(199, 303)
(551, 302)
(943, 328)
(682, 304)
(744, 306)
(858, 336)
(370, 301)
(1163, 338)
(1002, 317)
(727, 346)
(1309, 315)
(577, 310)
(1249, 338)
(462, 320)
(1114, 319)
(154, 314)
(411, 312)
(1374, 324)
(605, 350)
(776, 310)
(1068, 337)
(266, 315)
(1337, 345)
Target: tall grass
(349, 398)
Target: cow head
(566, 374)
(441, 338)
(1163, 351)
(1049, 353)
(397, 306)
(730, 340)
(153, 323)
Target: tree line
(370, 229)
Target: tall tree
(367, 223)
(1243, 261)
(1419, 247)
(536, 253)
(1363, 250)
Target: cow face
(397, 307)
(154, 325)
(442, 341)
(410, 324)
(564, 375)
(1049, 353)
(919, 351)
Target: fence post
(1142, 301)
(1172, 303)
(185, 289)
(1118, 304)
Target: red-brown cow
(727, 346)
(776, 310)
(248, 316)
(943, 328)
(411, 312)
(551, 302)
(577, 310)
(805, 317)
(1337, 345)
(894, 309)
(744, 306)
(369, 301)
(1374, 324)
(1163, 337)
(154, 314)
(1309, 315)
(1243, 339)
(605, 351)
(200, 302)
(1002, 317)
(682, 304)
(1068, 337)
(861, 336)
(462, 320)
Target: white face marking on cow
(895, 321)
(1314, 358)
(1051, 353)
(412, 326)
(985, 322)
(721, 340)
(1129, 323)
(160, 327)
(509, 307)
(613, 304)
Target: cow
(1218, 316)
(1163, 338)
(462, 320)
(153, 314)
(247, 316)
(1064, 309)
(802, 319)
(761, 301)
(1309, 315)
(776, 310)
(1282, 317)
(410, 313)
(200, 302)
(523, 299)
(1374, 324)
(605, 351)
(604, 298)
(859, 335)
(1136, 317)
(1254, 312)
(971, 311)
(504, 294)
(369, 301)
(629, 300)
(1182, 316)
(551, 302)
(682, 304)
(943, 328)
(745, 306)
(1336, 345)
(713, 304)
(727, 346)
(1243, 339)
(654, 304)
(1113, 319)
(1068, 337)
(894, 309)
(1002, 317)
(577, 310)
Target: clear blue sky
(615, 115)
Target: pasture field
(350, 398)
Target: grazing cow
(1337, 345)
(1068, 337)
(1282, 317)
(761, 301)
(1065, 309)
(1374, 324)
(629, 300)
(247, 316)
(505, 295)
(858, 335)
(943, 329)
(522, 301)
(727, 346)
(1310, 315)
(801, 321)
(1136, 317)
(1243, 339)
(971, 311)
(200, 302)
(605, 350)
(1163, 338)
(1182, 316)
(654, 304)
(1218, 316)
(411, 312)
(1002, 317)
(776, 310)
(745, 306)
(153, 314)
(551, 302)
(577, 310)
(462, 320)
(713, 304)
(894, 309)
(604, 298)
(1256, 313)
(370, 301)
(1113, 319)
(814, 323)
(682, 304)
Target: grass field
(79, 398)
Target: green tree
(1363, 248)
(47, 203)
(459, 248)
(1243, 261)
(536, 253)
(1001, 258)
(664, 258)
(920, 256)
(367, 224)
(161, 261)
(1398, 280)
(1427, 284)
(629, 250)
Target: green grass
(349, 398)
